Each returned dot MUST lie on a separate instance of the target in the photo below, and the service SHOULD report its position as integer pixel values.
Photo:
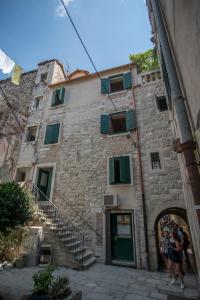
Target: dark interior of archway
(164, 222)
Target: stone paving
(102, 282)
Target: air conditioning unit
(110, 200)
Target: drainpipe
(142, 187)
(187, 145)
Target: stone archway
(177, 215)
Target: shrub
(42, 281)
(15, 207)
(59, 288)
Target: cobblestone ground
(102, 282)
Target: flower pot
(20, 262)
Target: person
(164, 244)
(175, 259)
(177, 229)
(186, 243)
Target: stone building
(100, 152)
(176, 33)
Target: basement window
(116, 84)
(31, 134)
(161, 103)
(155, 161)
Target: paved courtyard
(102, 282)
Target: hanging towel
(2, 58)
(8, 65)
(16, 74)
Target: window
(58, 97)
(31, 134)
(161, 103)
(20, 175)
(52, 134)
(155, 161)
(118, 122)
(116, 83)
(119, 170)
(43, 77)
(37, 102)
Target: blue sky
(36, 30)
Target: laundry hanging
(6, 63)
(16, 74)
(2, 58)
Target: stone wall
(20, 98)
(163, 188)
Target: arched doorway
(165, 221)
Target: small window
(52, 134)
(31, 134)
(20, 175)
(116, 84)
(155, 161)
(161, 103)
(43, 77)
(118, 123)
(37, 102)
(58, 97)
(119, 170)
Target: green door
(43, 182)
(121, 237)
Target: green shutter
(131, 122)
(105, 124)
(105, 88)
(52, 134)
(53, 101)
(111, 170)
(127, 80)
(62, 95)
(125, 175)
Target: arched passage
(166, 219)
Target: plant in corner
(42, 282)
(60, 288)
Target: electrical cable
(89, 56)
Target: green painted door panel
(121, 237)
(43, 182)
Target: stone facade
(80, 159)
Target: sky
(32, 31)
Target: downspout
(142, 187)
(187, 145)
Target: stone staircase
(68, 235)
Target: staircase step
(89, 262)
(74, 244)
(86, 255)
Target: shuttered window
(116, 83)
(58, 97)
(52, 134)
(118, 122)
(119, 170)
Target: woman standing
(164, 246)
(175, 257)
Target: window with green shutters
(52, 134)
(58, 97)
(116, 83)
(119, 122)
(119, 170)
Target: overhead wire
(89, 56)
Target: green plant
(59, 288)
(15, 206)
(146, 61)
(42, 280)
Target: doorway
(165, 222)
(44, 181)
(121, 237)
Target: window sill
(119, 134)
(120, 184)
(53, 144)
(57, 106)
(29, 142)
(118, 93)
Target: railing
(59, 222)
(151, 76)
